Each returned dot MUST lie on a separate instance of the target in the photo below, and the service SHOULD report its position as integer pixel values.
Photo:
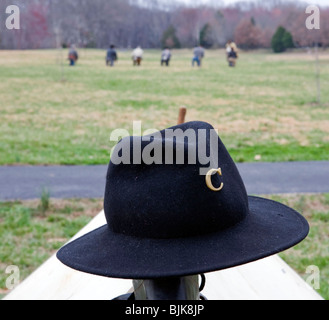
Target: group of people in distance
(112, 56)
(137, 55)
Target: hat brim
(270, 228)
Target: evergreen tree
(205, 36)
(282, 40)
(170, 39)
(287, 40)
(277, 43)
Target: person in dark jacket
(73, 55)
(111, 56)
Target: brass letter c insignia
(209, 182)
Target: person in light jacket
(137, 56)
(198, 55)
(232, 53)
(165, 57)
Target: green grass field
(264, 109)
(29, 235)
(266, 106)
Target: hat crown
(169, 198)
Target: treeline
(153, 24)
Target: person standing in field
(198, 55)
(165, 57)
(111, 56)
(232, 53)
(137, 56)
(73, 56)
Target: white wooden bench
(268, 279)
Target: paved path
(22, 183)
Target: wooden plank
(267, 279)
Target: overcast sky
(316, 2)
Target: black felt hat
(167, 219)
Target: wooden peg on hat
(182, 115)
